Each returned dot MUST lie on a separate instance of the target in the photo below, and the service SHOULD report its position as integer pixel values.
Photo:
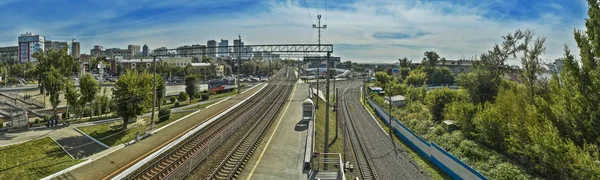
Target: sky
(363, 31)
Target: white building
(134, 49)
(28, 44)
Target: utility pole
(336, 113)
(239, 63)
(153, 92)
(326, 146)
(319, 66)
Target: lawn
(335, 144)
(200, 106)
(33, 160)
(111, 133)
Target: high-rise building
(145, 51)
(237, 48)
(212, 48)
(28, 44)
(113, 52)
(55, 45)
(135, 49)
(223, 48)
(9, 54)
(75, 49)
(97, 51)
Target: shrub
(176, 104)
(1, 124)
(164, 101)
(205, 96)
(36, 121)
(182, 96)
(197, 95)
(164, 114)
(205, 91)
(213, 93)
(172, 99)
(436, 102)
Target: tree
(442, 76)
(89, 88)
(133, 95)
(195, 59)
(182, 97)
(161, 89)
(416, 78)
(383, 78)
(190, 86)
(405, 63)
(531, 61)
(436, 102)
(60, 60)
(431, 59)
(483, 83)
(54, 84)
(72, 95)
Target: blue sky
(362, 31)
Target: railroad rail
(199, 146)
(360, 153)
(233, 164)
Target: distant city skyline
(361, 31)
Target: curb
(67, 170)
(62, 148)
(90, 137)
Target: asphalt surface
(389, 160)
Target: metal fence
(447, 162)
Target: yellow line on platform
(272, 134)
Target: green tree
(405, 63)
(431, 59)
(54, 84)
(436, 102)
(416, 78)
(72, 95)
(383, 78)
(442, 76)
(531, 60)
(133, 95)
(195, 59)
(182, 97)
(89, 88)
(191, 88)
(161, 89)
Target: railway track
(233, 164)
(202, 144)
(360, 153)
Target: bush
(436, 102)
(36, 121)
(164, 101)
(182, 96)
(205, 91)
(197, 95)
(164, 114)
(172, 99)
(205, 96)
(176, 104)
(1, 124)
(213, 93)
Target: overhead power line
(307, 11)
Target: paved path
(281, 153)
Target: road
(389, 160)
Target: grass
(433, 171)
(335, 144)
(111, 133)
(200, 106)
(33, 160)
(96, 118)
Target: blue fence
(437, 155)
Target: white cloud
(454, 30)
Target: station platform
(281, 153)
